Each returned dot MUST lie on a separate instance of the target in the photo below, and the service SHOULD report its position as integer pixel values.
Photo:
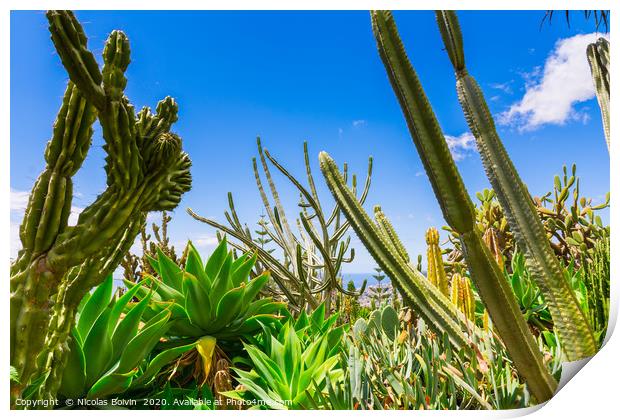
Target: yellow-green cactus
(462, 296)
(436, 271)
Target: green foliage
(570, 322)
(108, 346)
(216, 299)
(308, 272)
(146, 170)
(285, 365)
(456, 205)
(381, 241)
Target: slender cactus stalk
(458, 209)
(598, 57)
(146, 171)
(569, 320)
(380, 240)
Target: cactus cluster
(570, 323)
(456, 205)
(436, 272)
(146, 170)
(312, 259)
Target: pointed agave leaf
(228, 308)
(142, 344)
(214, 264)
(111, 384)
(170, 273)
(242, 272)
(95, 305)
(222, 282)
(128, 327)
(253, 288)
(197, 302)
(194, 266)
(74, 373)
(98, 348)
(317, 319)
(159, 361)
(292, 356)
(121, 303)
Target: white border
(592, 393)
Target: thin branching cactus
(458, 209)
(569, 320)
(598, 57)
(146, 170)
(312, 260)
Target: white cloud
(205, 240)
(19, 201)
(552, 93)
(358, 123)
(460, 146)
(504, 87)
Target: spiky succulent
(216, 299)
(109, 344)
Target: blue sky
(316, 76)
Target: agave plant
(211, 301)
(301, 356)
(215, 299)
(109, 344)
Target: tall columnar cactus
(383, 244)
(436, 271)
(569, 320)
(598, 57)
(146, 170)
(458, 209)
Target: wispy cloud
(461, 146)
(358, 123)
(552, 92)
(505, 87)
(205, 240)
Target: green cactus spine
(458, 209)
(569, 320)
(146, 171)
(598, 57)
(436, 271)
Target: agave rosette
(216, 299)
(109, 345)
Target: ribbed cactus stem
(436, 271)
(598, 57)
(490, 239)
(458, 209)
(146, 171)
(416, 290)
(569, 320)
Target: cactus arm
(387, 257)
(435, 155)
(598, 58)
(80, 63)
(53, 251)
(570, 323)
(458, 210)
